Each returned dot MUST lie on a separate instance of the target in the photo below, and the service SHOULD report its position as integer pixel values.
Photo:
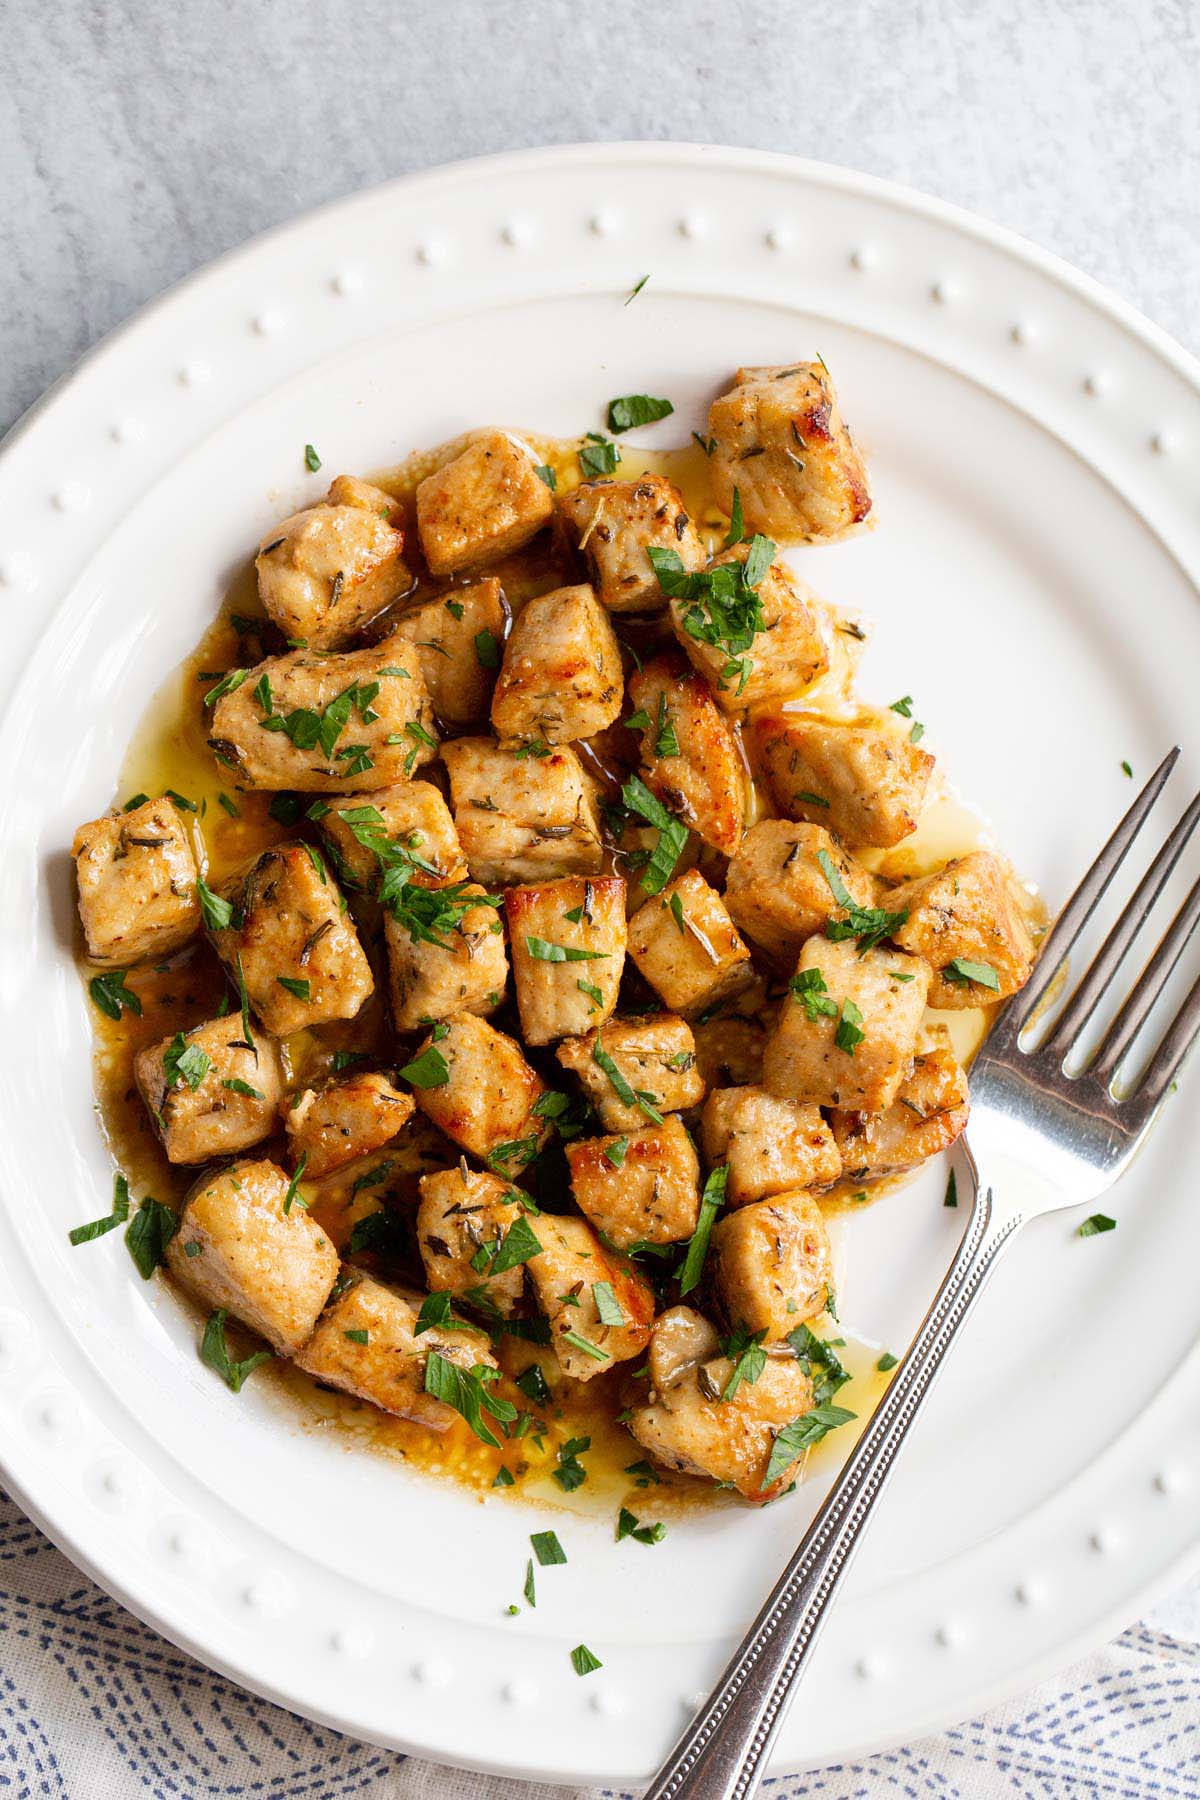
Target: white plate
(1035, 452)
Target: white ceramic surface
(1035, 449)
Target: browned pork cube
(137, 885)
(772, 1264)
(687, 946)
(460, 637)
(561, 677)
(329, 723)
(584, 1328)
(211, 1091)
(236, 1248)
(323, 573)
(567, 941)
(965, 922)
(366, 1344)
(864, 782)
(788, 653)
(655, 1056)
(488, 501)
(782, 442)
(770, 1144)
(615, 522)
(522, 817)
(412, 815)
(476, 1086)
(348, 1117)
(465, 970)
(291, 944)
(642, 1187)
(778, 892)
(686, 1423)
(689, 756)
(847, 1034)
(929, 1112)
(463, 1223)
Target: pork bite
(686, 1424)
(460, 637)
(332, 1125)
(782, 443)
(847, 1034)
(864, 782)
(689, 756)
(965, 922)
(614, 523)
(366, 1344)
(211, 1091)
(687, 946)
(446, 954)
(770, 1145)
(567, 941)
(641, 1187)
(137, 885)
(323, 573)
(561, 676)
(360, 829)
(463, 1226)
(291, 943)
(772, 1265)
(590, 1330)
(779, 894)
(654, 1056)
(760, 641)
(477, 1087)
(325, 723)
(929, 1112)
(522, 817)
(239, 1249)
(485, 503)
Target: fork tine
(1115, 1045)
(1087, 896)
(1181, 1035)
(1117, 944)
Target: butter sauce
(230, 825)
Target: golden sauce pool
(229, 825)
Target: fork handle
(723, 1753)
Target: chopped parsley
(1127, 769)
(721, 606)
(83, 1234)
(598, 456)
(1099, 1222)
(487, 649)
(466, 1390)
(357, 1336)
(801, 1434)
(666, 743)
(951, 1190)
(640, 1097)
(429, 1070)
(962, 970)
(542, 951)
(237, 1086)
(532, 1383)
(112, 997)
(312, 461)
(628, 1526)
(216, 912)
(215, 1352)
(869, 924)
(808, 987)
(672, 833)
(429, 914)
(745, 1351)
(636, 289)
(300, 989)
(435, 1311)
(886, 1361)
(184, 1062)
(545, 473)
(587, 1346)
(614, 1152)
(608, 1307)
(636, 409)
(582, 1660)
(849, 1034)
(570, 1473)
(228, 684)
(547, 1548)
(293, 1197)
(711, 1201)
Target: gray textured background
(139, 138)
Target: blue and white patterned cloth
(95, 1706)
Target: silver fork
(1053, 1138)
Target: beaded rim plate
(1035, 448)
